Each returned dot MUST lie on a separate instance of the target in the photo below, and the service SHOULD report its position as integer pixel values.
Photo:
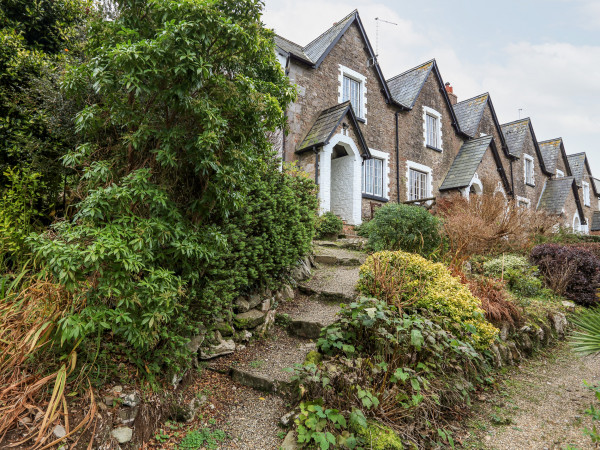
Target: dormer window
(353, 87)
(529, 173)
(586, 193)
(432, 128)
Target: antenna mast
(377, 20)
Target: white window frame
(523, 200)
(372, 164)
(560, 173)
(586, 193)
(411, 165)
(529, 158)
(438, 116)
(362, 97)
(384, 157)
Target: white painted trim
(377, 154)
(432, 112)
(524, 200)
(421, 168)
(500, 188)
(527, 157)
(578, 229)
(560, 173)
(355, 182)
(345, 71)
(586, 201)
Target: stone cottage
(368, 140)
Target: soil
(539, 405)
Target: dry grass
(487, 224)
(29, 396)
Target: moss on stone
(313, 357)
(225, 329)
(380, 437)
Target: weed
(257, 364)
(204, 438)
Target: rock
(225, 347)
(122, 434)
(570, 306)
(128, 415)
(287, 292)
(102, 406)
(301, 272)
(504, 332)
(225, 329)
(131, 400)
(59, 431)
(25, 420)
(269, 321)
(195, 343)
(249, 320)
(514, 351)
(559, 323)
(287, 419)
(525, 343)
(266, 304)
(242, 305)
(497, 356)
(186, 412)
(290, 442)
(254, 300)
(178, 377)
(110, 401)
(243, 336)
(117, 389)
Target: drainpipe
(316, 150)
(512, 178)
(397, 161)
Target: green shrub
(520, 276)
(394, 367)
(328, 225)
(379, 437)
(402, 227)
(413, 283)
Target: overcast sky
(541, 56)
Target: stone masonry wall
(532, 193)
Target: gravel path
(333, 280)
(540, 405)
(340, 253)
(308, 309)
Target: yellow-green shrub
(411, 282)
(379, 437)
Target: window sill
(530, 185)
(375, 197)
(434, 148)
(361, 120)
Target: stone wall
(531, 193)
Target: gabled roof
(315, 52)
(406, 87)
(555, 194)
(469, 113)
(551, 150)
(467, 161)
(577, 166)
(515, 134)
(325, 126)
(595, 221)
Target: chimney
(451, 95)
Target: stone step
(332, 283)
(306, 316)
(264, 364)
(336, 256)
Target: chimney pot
(451, 95)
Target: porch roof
(466, 163)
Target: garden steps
(337, 256)
(306, 316)
(332, 283)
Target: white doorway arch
(340, 186)
(576, 223)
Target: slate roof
(555, 194)
(466, 163)
(577, 166)
(515, 134)
(469, 113)
(550, 152)
(313, 52)
(326, 124)
(595, 221)
(405, 88)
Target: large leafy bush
(402, 227)
(182, 201)
(570, 271)
(519, 274)
(413, 284)
(397, 368)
